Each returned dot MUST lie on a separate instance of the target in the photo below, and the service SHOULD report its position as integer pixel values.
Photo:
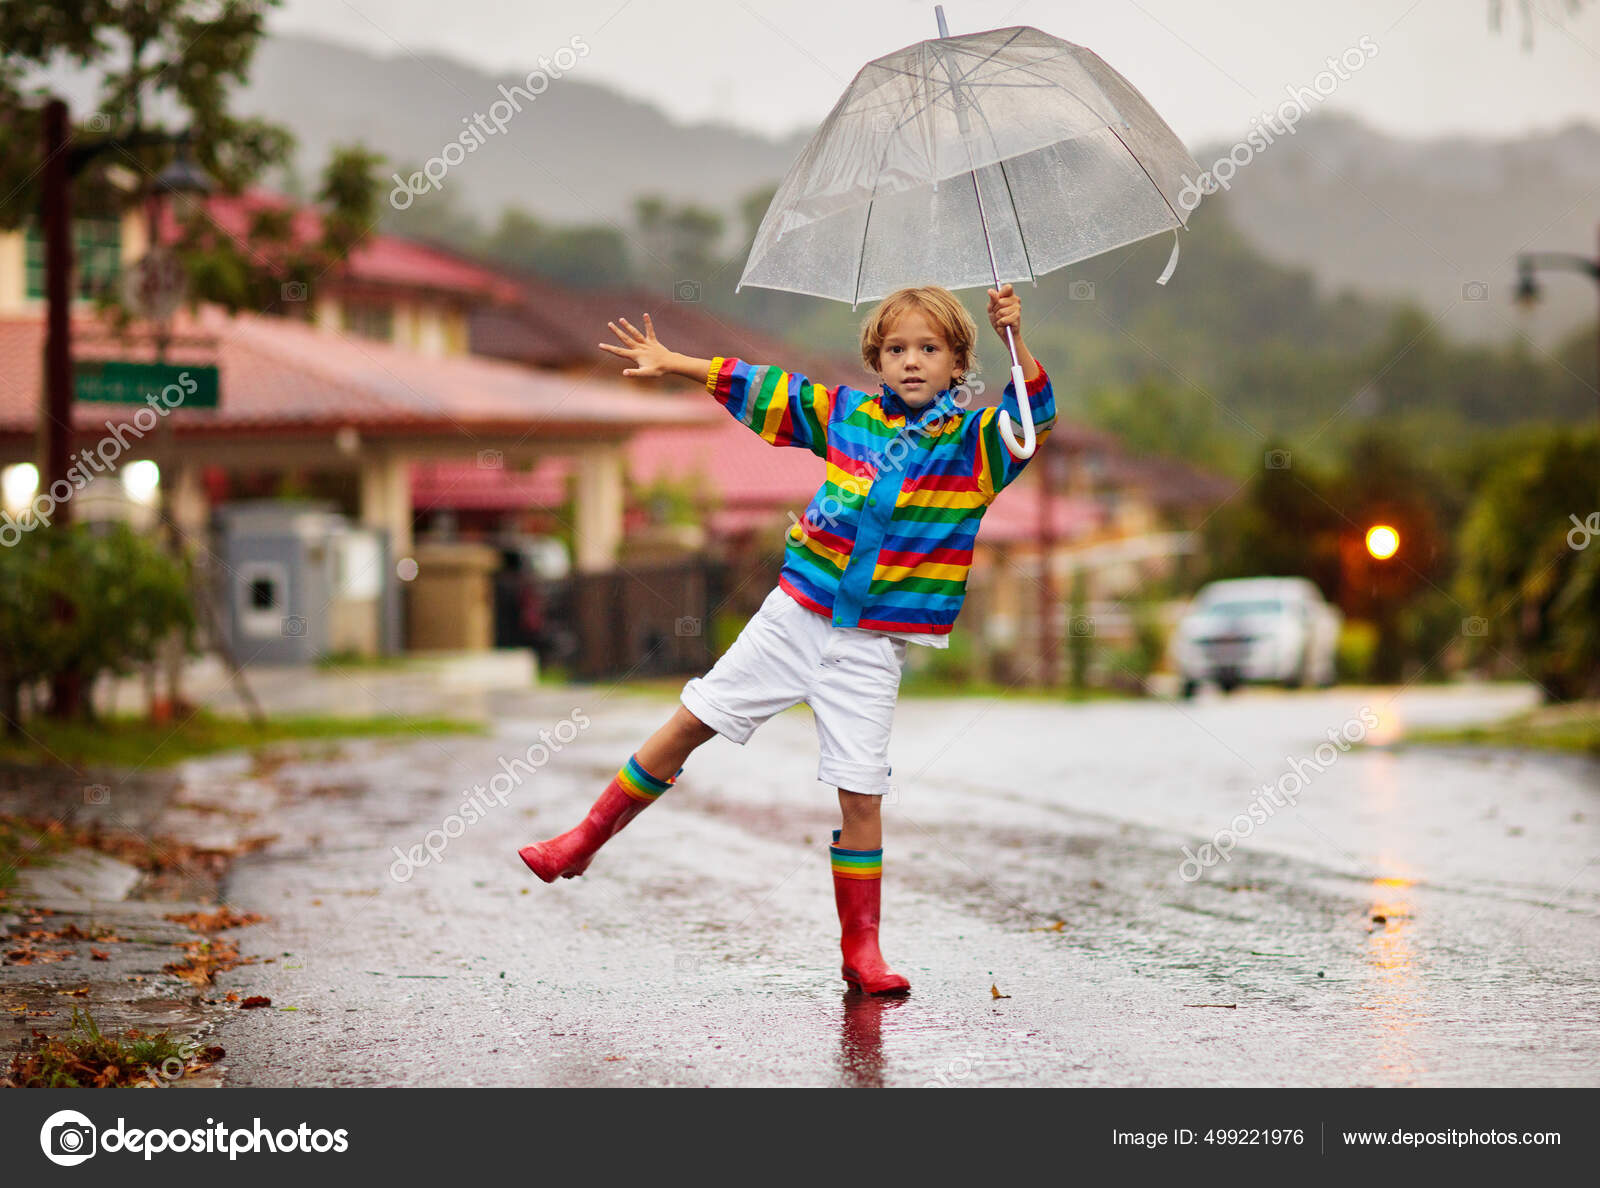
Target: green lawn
(137, 742)
(1574, 728)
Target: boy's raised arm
(784, 408)
(997, 466)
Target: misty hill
(1437, 221)
(579, 151)
(1362, 210)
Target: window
(369, 320)
(96, 256)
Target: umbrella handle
(1025, 447)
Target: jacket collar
(895, 406)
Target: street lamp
(1383, 542)
(183, 180)
(62, 161)
(1527, 292)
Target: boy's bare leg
(666, 750)
(863, 821)
(626, 796)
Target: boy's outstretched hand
(650, 358)
(1005, 309)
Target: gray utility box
(301, 582)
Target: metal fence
(645, 620)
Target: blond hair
(947, 314)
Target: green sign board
(174, 385)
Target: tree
(582, 256)
(126, 597)
(1285, 525)
(679, 242)
(1529, 566)
(179, 57)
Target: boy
(880, 560)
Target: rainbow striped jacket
(886, 542)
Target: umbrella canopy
(980, 159)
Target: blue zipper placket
(875, 512)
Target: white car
(1257, 629)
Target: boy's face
(915, 360)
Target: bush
(1530, 575)
(123, 593)
(1356, 651)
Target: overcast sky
(1208, 66)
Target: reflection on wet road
(1407, 917)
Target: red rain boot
(631, 791)
(857, 891)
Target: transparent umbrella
(982, 159)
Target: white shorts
(787, 654)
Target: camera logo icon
(294, 625)
(687, 625)
(67, 1138)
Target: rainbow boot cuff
(856, 864)
(640, 784)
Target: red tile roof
(467, 486)
(560, 327)
(387, 260)
(284, 375)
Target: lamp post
(1528, 291)
(63, 159)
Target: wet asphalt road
(1031, 847)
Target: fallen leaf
(231, 996)
(1056, 927)
(995, 991)
(1226, 1006)
(224, 917)
(28, 955)
(99, 954)
(255, 1000)
(82, 992)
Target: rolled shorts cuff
(869, 779)
(731, 726)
